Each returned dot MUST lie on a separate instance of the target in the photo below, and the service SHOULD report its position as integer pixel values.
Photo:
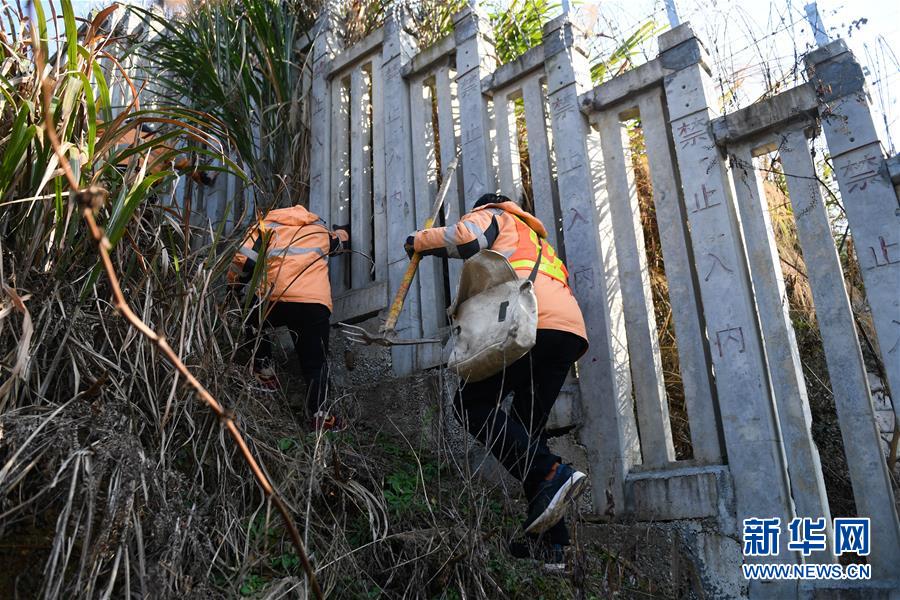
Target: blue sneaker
(553, 497)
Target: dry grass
(131, 487)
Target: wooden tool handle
(400, 296)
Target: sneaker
(553, 556)
(554, 559)
(266, 380)
(553, 498)
(324, 422)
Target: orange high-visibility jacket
(509, 230)
(296, 244)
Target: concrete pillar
(324, 49)
(785, 369)
(430, 278)
(657, 448)
(361, 213)
(750, 426)
(447, 120)
(873, 211)
(693, 351)
(609, 431)
(399, 47)
(539, 158)
(474, 60)
(378, 175)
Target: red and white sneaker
(322, 421)
(266, 379)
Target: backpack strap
(537, 262)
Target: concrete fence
(387, 118)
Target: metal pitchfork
(385, 335)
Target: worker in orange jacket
(517, 438)
(296, 245)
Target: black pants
(309, 327)
(517, 438)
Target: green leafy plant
(252, 585)
(263, 529)
(286, 563)
(238, 61)
(519, 26)
(107, 146)
(620, 59)
(400, 492)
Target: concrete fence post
(361, 178)
(398, 48)
(873, 212)
(785, 368)
(657, 447)
(474, 60)
(326, 44)
(752, 437)
(609, 430)
(873, 209)
(448, 119)
(684, 297)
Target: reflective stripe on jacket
(509, 230)
(296, 245)
(525, 254)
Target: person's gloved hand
(410, 245)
